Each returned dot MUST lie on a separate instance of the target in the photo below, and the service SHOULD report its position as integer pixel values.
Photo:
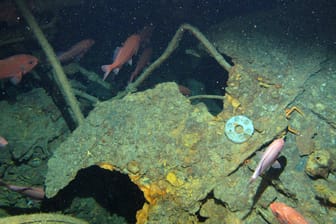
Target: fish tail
(251, 181)
(107, 69)
(133, 75)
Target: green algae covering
(178, 154)
(170, 148)
(158, 129)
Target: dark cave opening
(112, 191)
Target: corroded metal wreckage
(178, 153)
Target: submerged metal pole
(173, 44)
(59, 75)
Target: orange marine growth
(106, 166)
(142, 214)
(152, 192)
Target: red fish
(142, 62)
(124, 54)
(145, 35)
(286, 215)
(16, 66)
(76, 51)
(184, 90)
(3, 142)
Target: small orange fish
(124, 54)
(15, 66)
(286, 214)
(76, 51)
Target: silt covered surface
(178, 154)
(157, 130)
(282, 62)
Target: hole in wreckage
(213, 81)
(113, 191)
(203, 76)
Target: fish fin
(133, 75)
(115, 53)
(276, 165)
(16, 79)
(116, 71)
(130, 62)
(106, 69)
(252, 179)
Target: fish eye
(31, 62)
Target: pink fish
(36, 193)
(269, 158)
(3, 142)
(142, 62)
(15, 66)
(76, 51)
(124, 54)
